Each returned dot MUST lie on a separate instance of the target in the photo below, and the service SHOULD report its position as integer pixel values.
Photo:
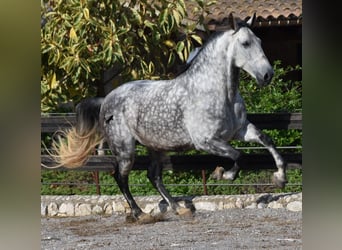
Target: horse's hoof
(279, 182)
(230, 176)
(130, 218)
(185, 213)
(143, 218)
(218, 173)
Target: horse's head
(247, 52)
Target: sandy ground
(225, 229)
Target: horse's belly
(164, 134)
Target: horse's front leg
(222, 148)
(154, 174)
(252, 134)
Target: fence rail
(189, 162)
(50, 123)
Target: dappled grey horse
(201, 108)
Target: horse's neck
(214, 72)
(233, 82)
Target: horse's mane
(216, 35)
(211, 39)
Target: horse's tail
(79, 141)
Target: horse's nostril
(266, 77)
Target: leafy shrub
(279, 96)
(80, 40)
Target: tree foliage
(81, 39)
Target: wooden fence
(50, 123)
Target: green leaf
(180, 46)
(197, 38)
(177, 17)
(136, 16)
(78, 19)
(84, 64)
(169, 43)
(73, 35)
(151, 67)
(171, 59)
(47, 48)
(180, 6)
(163, 16)
(149, 24)
(170, 23)
(181, 57)
(53, 82)
(156, 37)
(86, 13)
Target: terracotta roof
(269, 12)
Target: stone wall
(81, 205)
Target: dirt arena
(224, 229)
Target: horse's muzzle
(265, 79)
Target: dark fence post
(97, 183)
(204, 180)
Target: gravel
(235, 228)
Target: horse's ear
(231, 21)
(251, 20)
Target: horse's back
(117, 99)
(152, 111)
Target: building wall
(282, 43)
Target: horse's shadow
(187, 201)
(268, 198)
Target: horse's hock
(55, 206)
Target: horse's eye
(245, 44)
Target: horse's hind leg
(155, 176)
(121, 177)
(123, 148)
(252, 134)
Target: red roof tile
(269, 12)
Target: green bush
(81, 39)
(279, 96)
(187, 183)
